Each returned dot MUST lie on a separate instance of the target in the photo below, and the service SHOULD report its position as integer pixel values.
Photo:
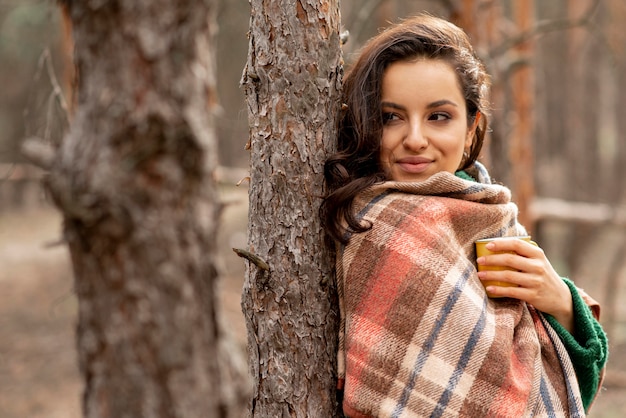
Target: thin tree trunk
(464, 14)
(581, 132)
(69, 74)
(521, 149)
(133, 181)
(617, 39)
(292, 83)
(481, 22)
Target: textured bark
(292, 82)
(133, 181)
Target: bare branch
(45, 62)
(543, 27)
(254, 259)
(38, 152)
(58, 92)
(589, 213)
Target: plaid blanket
(419, 337)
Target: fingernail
(490, 246)
(480, 260)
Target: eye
(439, 116)
(390, 117)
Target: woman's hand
(537, 282)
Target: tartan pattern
(419, 337)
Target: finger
(507, 276)
(519, 246)
(509, 260)
(517, 291)
(505, 292)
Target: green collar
(463, 175)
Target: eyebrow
(430, 105)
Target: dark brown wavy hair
(356, 164)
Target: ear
(471, 131)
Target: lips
(414, 164)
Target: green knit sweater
(588, 348)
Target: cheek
(385, 148)
(455, 142)
(391, 140)
(383, 156)
(454, 151)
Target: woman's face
(425, 120)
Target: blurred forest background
(558, 140)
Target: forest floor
(39, 375)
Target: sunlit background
(558, 139)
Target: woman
(407, 201)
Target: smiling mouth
(414, 167)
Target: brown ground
(38, 372)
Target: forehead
(421, 76)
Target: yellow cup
(481, 251)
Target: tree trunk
(292, 83)
(133, 179)
(521, 149)
(618, 41)
(464, 15)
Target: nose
(415, 138)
